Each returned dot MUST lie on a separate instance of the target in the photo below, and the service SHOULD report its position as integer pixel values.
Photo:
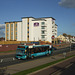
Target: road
(70, 70)
(7, 60)
(63, 68)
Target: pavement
(33, 63)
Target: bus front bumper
(21, 57)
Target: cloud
(2, 26)
(2, 30)
(67, 3)
(2, 33)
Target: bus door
(30, 51)
(46, 48)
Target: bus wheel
(51, 53)
(32, 57)
(27, 57)
(47, 54)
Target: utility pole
(70, 45)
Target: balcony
(43, 32)
(43, 38)
(43, 28)
(44, 25)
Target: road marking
(60, 71)
(13, 58)
(57, 72)
(68, 65)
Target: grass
(25, 72)
(8, 51)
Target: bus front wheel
(32, 57)
(47, 54)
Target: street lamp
(70, 45)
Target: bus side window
(43, 49)
(35, 50)
(46, 48)
(40, 49)
(32, 50)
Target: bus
(25, 51)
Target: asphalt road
(10, 59)
(70, 70)
(64, 68)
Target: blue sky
(62, 10)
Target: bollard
(1, 60)
(64, 53)
(13, 58)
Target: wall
(24, 29)
(49, 29)
(30, 29)
(8, 47)
(36, 31)
(19, 31)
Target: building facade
(31, 29)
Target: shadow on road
(70, 70)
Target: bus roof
(32, 46)
(35, 45)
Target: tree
(64, 34)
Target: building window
(16, 29)
(16, 25)
(16, 33)
(7, 33)
(7, 37)
(7, 29)
(11, 25)
(16, 37)
(28, 31)
(42, 27)
(43, 23)
(11, 37)
(52, 26)
(53, 21)
(11, 33)
(55, 34)
(55, 27)
(28, 22)
(28, 27)
(43, 36)
(28, 36)
(7, 25)
(11, 29)
(43, 32)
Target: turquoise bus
(25, 51)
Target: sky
(62, 10)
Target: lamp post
(70, 45)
